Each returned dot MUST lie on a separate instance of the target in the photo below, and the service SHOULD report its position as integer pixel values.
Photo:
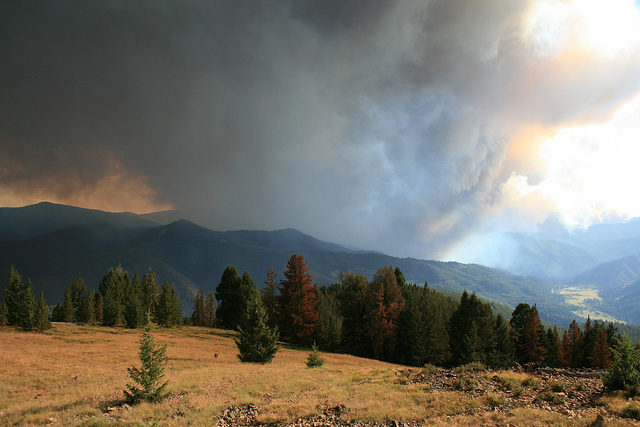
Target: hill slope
(88, 243)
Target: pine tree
(503, 353)
(601, 354)
(78, 295)
(147, 380)
(412, 329)
(353, 308)
(315, 359)
(571, 348)
(86, 313)
(471, 331)
(298, 300)
(41, 318)
(257, 342)
(624, 373)
(133, 311)
(551, 342)
(518, 322)
(385, 305)
(231, 303)
(210, 310)
(67, 307)
(168, 311)
(27, 307)
(532, 349)
(13, 297)
(151, 291)
(4, 319)
(198, 317)
(99, 308)
(330, 330)
(112, 289)
(270, 298)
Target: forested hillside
(84, 243)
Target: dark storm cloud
(374, 123)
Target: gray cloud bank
(375, 123)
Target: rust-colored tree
(532, 348)
(570, 355)
(385, 305)
(298, 303)
(601, 356)
(269, 298)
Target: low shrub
(631, 411)
(551, 397)
(465, 383)
(470, 367)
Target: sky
(408, 127)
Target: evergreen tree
(4, 314)
(551, 342)
(113, 290)
(315, 359)
(532, 349)
(13, 297)
(210, 310)
(571, 354)
(230, 301)
(86, 313)
(78, 296)
(270, 298)
(168, 311)
(400, 280)
(518, 322)
(330, 331)
(298, 300)
(27, 307)
(257, 342)
(41, 318)
(412, 329)
(99, 308)
(590, 336)
(601, 354)
(353, 308)
(133, 310)
(503, 353)
(198, 317)
(56, 313)
(471, 331)
(386, 302)
(147, 380)
(151, 292)
(67, 307)
(624, 373)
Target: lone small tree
(147, 379)
(257, 342)
(315, 360)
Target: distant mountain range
(55, 244)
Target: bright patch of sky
(591, 170)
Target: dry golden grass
(73, 375)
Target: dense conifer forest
(386, 318)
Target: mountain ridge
(194, 257)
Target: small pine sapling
(315, 360)
(147, 379)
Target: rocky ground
(573, 394)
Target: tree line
(385, 318)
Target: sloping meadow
(75, 375)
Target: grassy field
(74, 375)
